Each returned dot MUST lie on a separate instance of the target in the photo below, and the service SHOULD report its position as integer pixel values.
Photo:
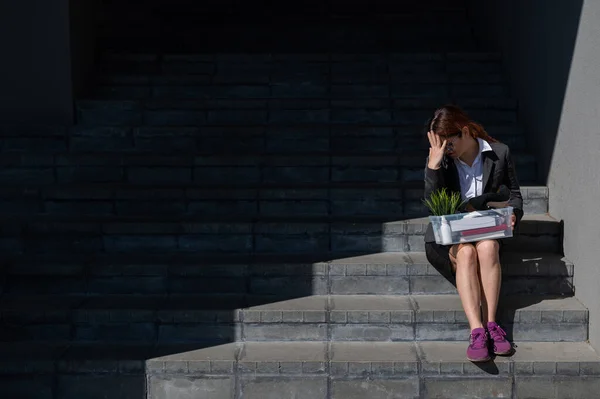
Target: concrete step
(263, 85)
(415, 62)
(307, 112)
(269, 278)
(312, 14)
(406, 318)
(166, 141)
(143, 168)
(298, 42)
(303, 75)
(10, 133)
(364, 96)
(313, 318)
(403, 370)
(240, 140)
(76, 233)
(300, 369)
(331, 23)
(195, 25)
(179, 7)
(231, 199)
(118, 84)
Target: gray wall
(552, 55)
(573, 178)
(35, 72)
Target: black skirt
(439, 257)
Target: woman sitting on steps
(465, 159)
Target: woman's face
(454, 145)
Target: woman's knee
(488, 251)
(465, 255)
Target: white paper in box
(472, 226)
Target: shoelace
(478, 340)
(497, 333)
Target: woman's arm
(434, 173)
(512, 182)
(434, 179)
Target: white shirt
(471, 177)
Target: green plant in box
(442, 202)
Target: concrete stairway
(250, 226)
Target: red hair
(449, 120)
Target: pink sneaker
(497, 334)
(478, 347)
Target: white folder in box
(472, 223)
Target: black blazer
(498, 169)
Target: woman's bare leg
(490, 274)
(464, 260)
